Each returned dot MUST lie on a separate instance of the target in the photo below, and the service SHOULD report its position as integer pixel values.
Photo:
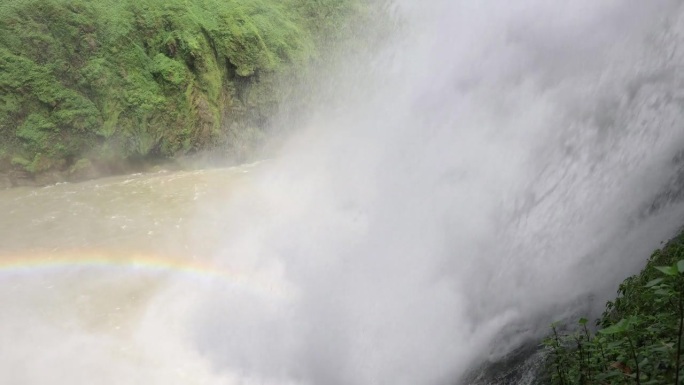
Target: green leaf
(614, 344)
(654, 282)
(668, 270)
(611, 374)
(583, 321)
(662, 349)
(614, 329)
(662, 292)
(680, 266)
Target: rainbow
(30, 264)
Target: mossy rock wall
(112, 82)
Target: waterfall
(494, 168)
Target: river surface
(146, 212)
(95, 277)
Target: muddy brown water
(85, 272)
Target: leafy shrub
(639, 340)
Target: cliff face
(90, 87)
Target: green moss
(20, 161)
(170, 70)
(150, 77)
(82, 166)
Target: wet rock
(21, 178)
(523, 366)
(48, 178)
(5, 181)
(83, 170)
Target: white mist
(487, 172)
(485, 175)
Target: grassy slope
(92, 81)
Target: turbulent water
(497, 166)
